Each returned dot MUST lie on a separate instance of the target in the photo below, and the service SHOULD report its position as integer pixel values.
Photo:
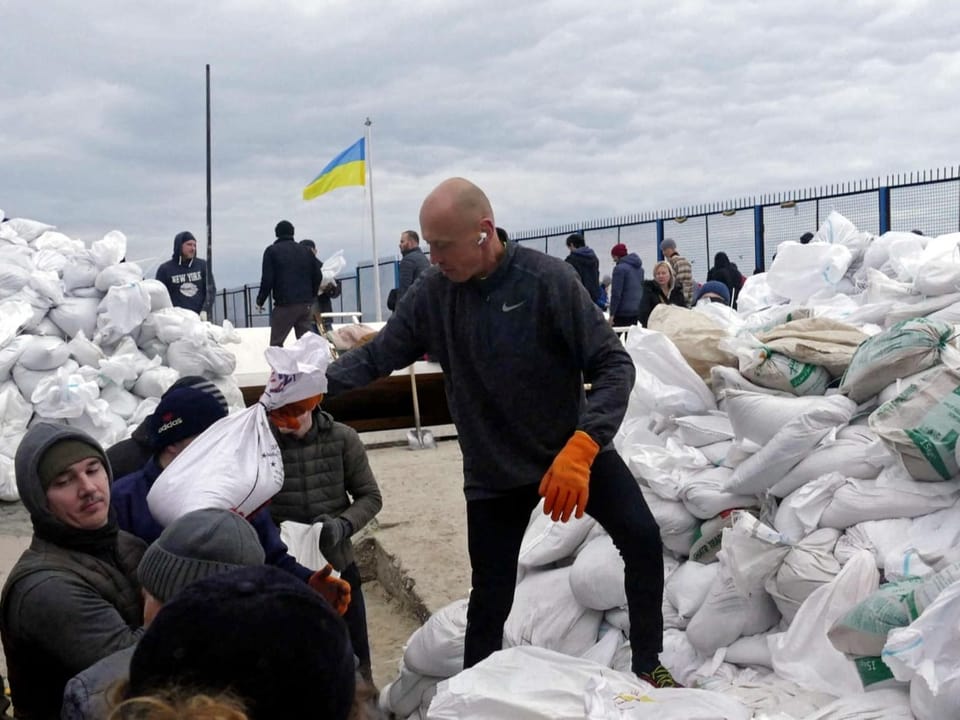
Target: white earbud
(483, 238)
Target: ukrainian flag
(347, 168)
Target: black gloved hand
(333, 532)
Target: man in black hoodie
(186, 277)
(586, 263)
(293, 275)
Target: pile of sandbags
(800, 457)
(86, 340)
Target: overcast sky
(562, 111)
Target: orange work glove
(567, 483)
(335, 591)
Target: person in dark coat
(584, 260)
(186, 277)
(327, 478)
(662, 290)
(292, 275)
(72, 598)
(626, 289)
(726, 272)
(323, 302)
(412, 263)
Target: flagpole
(209, 278)
(373, 225)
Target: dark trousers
(356, 620)
(495, 529)
(285, 317)
(625, 320)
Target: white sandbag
(10, 353)
(43, 353)
(27, 380)
(39, 305)
(883, 704)
(144, 410)
(122, 402)
(799, 271)
(700, 430)
(838, 230)
(80, 272)
(596, 576)
(678, 527)
(750, 650)
(110, 249)
(760, 416)
(545, 541)
(26, 229)
(792, 442)
(436, 647)
(46, 284)
(933, 308)
(857, 449)
(532, 682)
(125, 364)
(546, 614)
(756, 294)
(664, 381)
(49, 260)
(939, 267)
(100, 423)
(13, 278)
(408, 695)
(663, 468)
(47, 328)
(155, 381)
(803, 654)
(235, 465)
(604, 651)
(724, 379)
(897, 387)
(634, 431)
(63, 394)
(704, 495)
(904, 349)
(121, 311)
(926, 652)
(189, 358)
(15, 414)
(8, 480)
(333, 266)
(891, 495)
(222, 334)
(863, 629)
(905, 253)
(154, 348)
(707, 539)
(118, 275)
(688, 585)
(817, 341)
(75, 315)
(297, 372)
(767, 368)
(807, 566)
(159, 295)
(718, 453)
(921, 424)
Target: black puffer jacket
(290, 272)
(326, 473)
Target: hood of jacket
(178, 242)
(632, 259)
(34, 444)
(584, 251)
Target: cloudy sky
(561, 110)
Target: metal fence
(748, 230)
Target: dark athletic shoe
(659, 677)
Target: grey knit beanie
(199, 544)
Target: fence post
(758, 249)
(224, 305)
(659, 239)
(246, 306)
(884, 207)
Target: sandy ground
(414, 559)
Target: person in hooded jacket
(662, 290)
(728, 273)
(186, 277)
(73, 597)
(626, 288)
(584, 261)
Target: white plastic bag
(234, 465)
(303, 542)
(333, 266)
(800, 271)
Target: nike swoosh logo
(508, 308)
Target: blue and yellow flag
(347, 168)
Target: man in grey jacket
(72, 598)
(517, 337)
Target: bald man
(517, 337)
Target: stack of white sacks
(86, 340)
(800, 457)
